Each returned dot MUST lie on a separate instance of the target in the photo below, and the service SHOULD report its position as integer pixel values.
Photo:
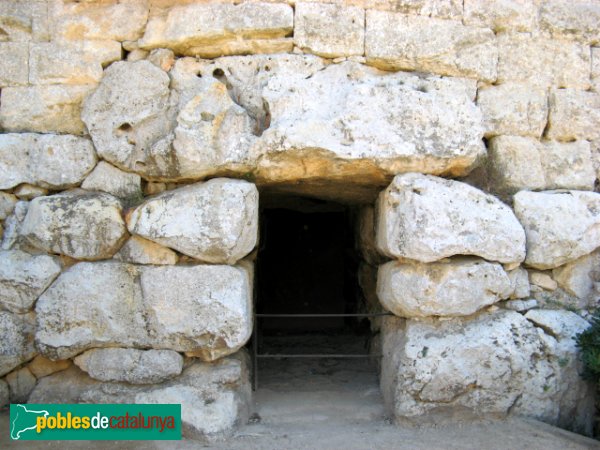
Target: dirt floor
(336, 404)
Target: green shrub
(589, 343)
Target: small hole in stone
(268, 68)
(218, 73)
(206, 116)
(422, 89)
(199, 74)
(125, 128)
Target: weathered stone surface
(426, 218)
(120, 21)
(214, 397)
(47, 160)
(211, 30)
(108, 178)
(517, 109)
(558, 323)
(78, 224)
(571, 19)
(329, 30)
(163, 58)
(20, 384)
(7, 204)
(542, 280)
(207, 313)
(16, 340)
(14, 70)
(397, 41)
(595, 68)
(23, 21)
(542, 61)
(130, 365)
(573, 114)
(12, 238)
(42, 367)
(501, 15)
(458, 287)
(23, 278)
(330, 123)
(91, 305)
(578, 277)
(71, 63)
(445, 9)
(517, 163)
(519, 282)
(142, 251)
(560, 226)
(521, 305)
(496, 363)
(366, 236)
(4, 395)
(29, 192)
(43, 109)
(216, 221)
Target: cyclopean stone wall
(136, 136)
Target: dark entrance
(307, 266)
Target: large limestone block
(426, 218)
(215, 221)
(14, 70)
(47, 160)
(142, 251)
(560, 226)
(205, 310)
(91, 305)
(42, 367)
(16, 340)
(211, 30)
(78, 224)
(12, 238)
(71, 63)
(518, 163)
(495, 363)
(329, 30)
(577, 277)
(542, 61)
(24, 277)
(501, 15)
(24, 21)
(7, 204)
(214, 397)
(573, 114)
(119, 21)
(330, 126)
(446, 47)
(43, 109)
(458, 287)
(515, 109)
(109, 179)
(20, 384)
(130, 365)
(570, 19)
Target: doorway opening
(312, 341)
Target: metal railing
(256, 356)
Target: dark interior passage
(307, 264)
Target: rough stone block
(560, 226)
(501, 15)
(4, 394)
(516, 109)
(20, 384)
(570, 19)
(577, 277)
(23, 21)
(71, 63)
(595, 69)
(78, 224)
(573, 114)
(138, 250)
(458, 287)
(426, 218)
(220, 227)
(568, 165)
(43, 109)
(542, 61)
(24, 277)
(443, 9)
(7, 204)
(214, 397)
(47, 160)
(211, 30)
(119, 21)
(42, 367)
(16, 340)
(445, 47)
(329, 30)
(14, 69)
(130, 365)
(495, 363)
(109, 179)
